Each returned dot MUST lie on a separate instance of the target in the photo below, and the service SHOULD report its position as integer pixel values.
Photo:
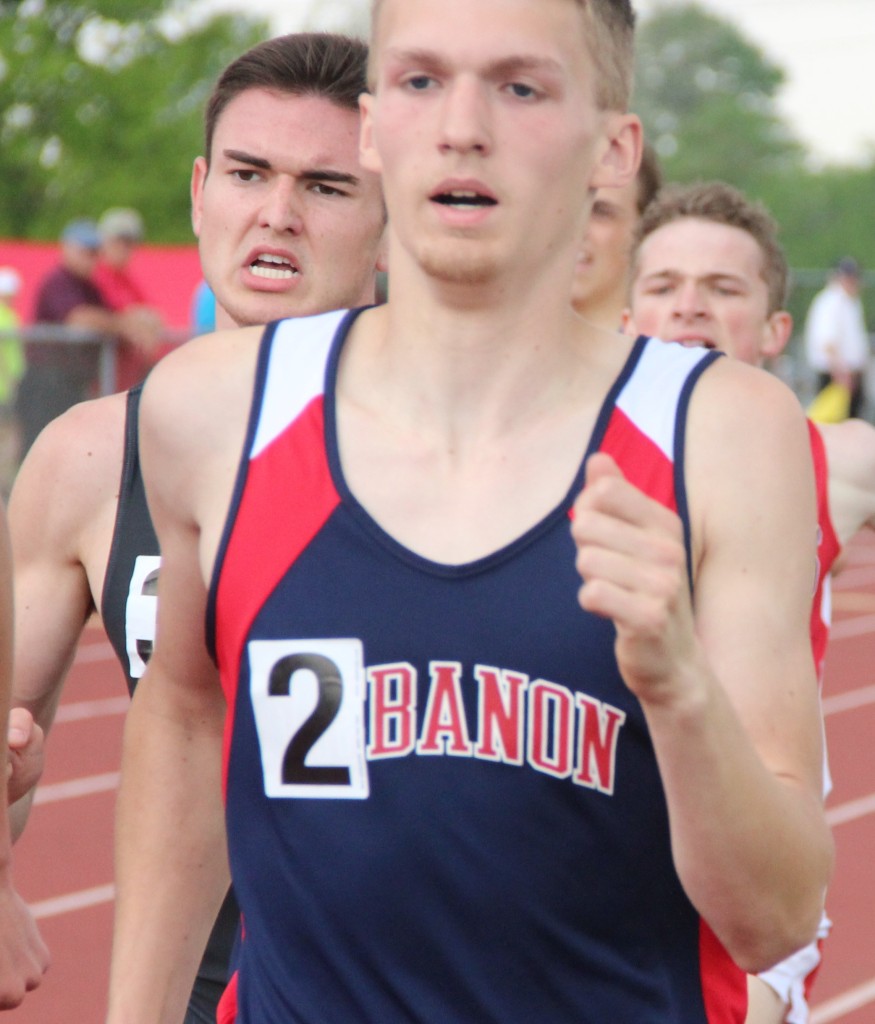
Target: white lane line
(849, 701)
(86, 785)
(73, 901)
(850, 811)
(82, 709)
(846, 629)
(852, 577)
(86, 653)
(847, 1002)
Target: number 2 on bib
(308, 700)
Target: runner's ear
(619, 161)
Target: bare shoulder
(739, 410)
(193, 417)
(748, 455)
(87, 436)
(192, 396)
(72, 471)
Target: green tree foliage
(101, 105)
(825, 215)
(706, 96)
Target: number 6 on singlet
(308, 700)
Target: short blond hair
(610, 42)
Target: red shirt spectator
(121, 231)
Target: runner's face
(288, 222)
(603, 260)
(484, 125)
(700, 283)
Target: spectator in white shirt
(836, 342)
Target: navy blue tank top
(443, 802)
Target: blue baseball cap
(82, 232)
(848, 267)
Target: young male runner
(601, 273)
(459, 782)
(289, 224)
(708, 269)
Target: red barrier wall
(168, 275)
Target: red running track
(63, 863)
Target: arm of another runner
(25, 742)
(61, 515)
(727, 685)
(171, 861)
(850, 462)
(23, 956)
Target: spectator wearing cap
(121, 231)
(836, 342)
(62, 371)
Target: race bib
(308, 699)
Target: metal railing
(54, 335)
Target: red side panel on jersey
(648, 467)
(226, 1011)
(828, 548)
(286, 524)
(724, 984)
(640, 458)
(811, 977)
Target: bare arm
(727, 685)
(171, 861)
(171, 865)
(61, 516)
(23, 956)
(850, 460)
(25, 740)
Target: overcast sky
(826, 48)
